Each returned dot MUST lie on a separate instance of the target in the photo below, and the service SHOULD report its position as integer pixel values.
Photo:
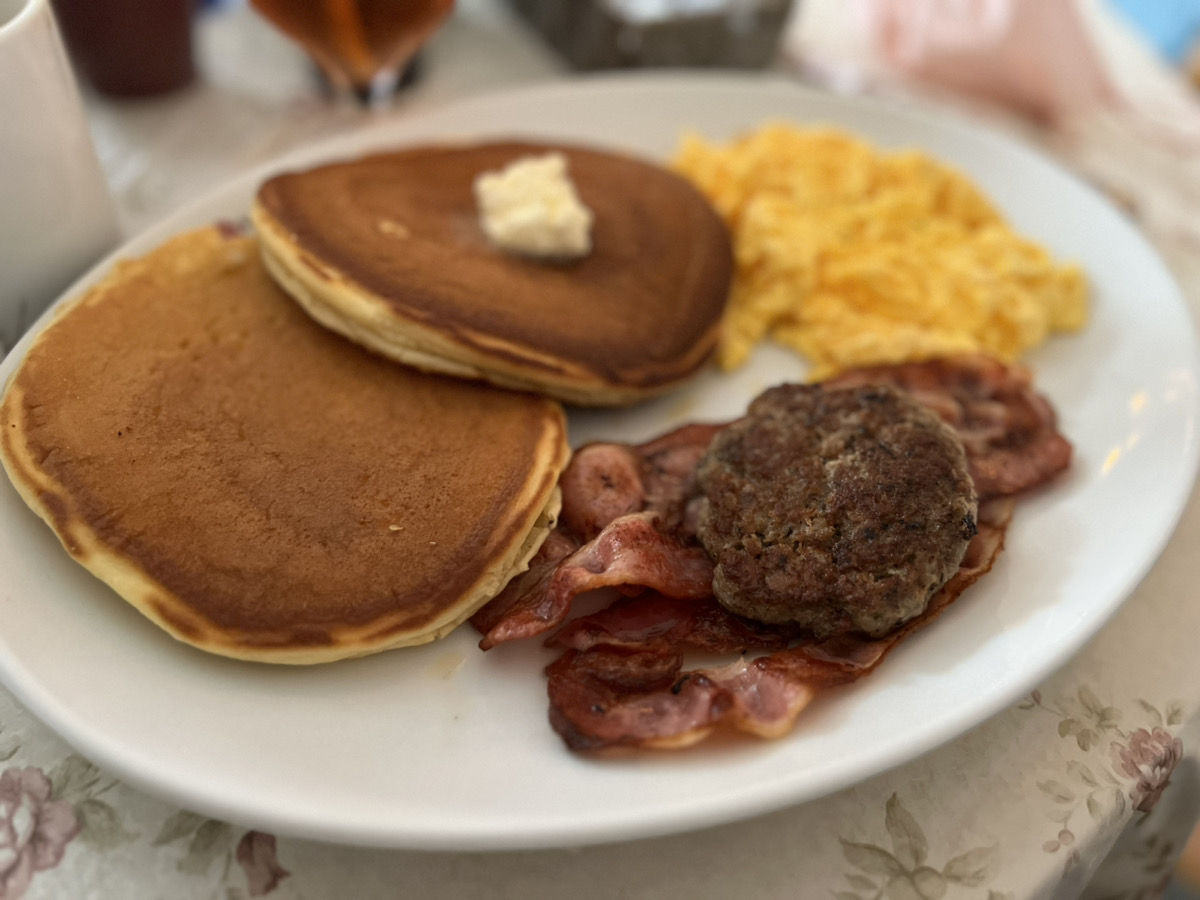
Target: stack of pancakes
(265, 489)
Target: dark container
(130, 48)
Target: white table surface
(1037, 802)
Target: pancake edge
(131, 583)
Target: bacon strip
(630, 552)
(608, 697)
(622, 507)
(605, 481)
(669, 470)
(524, 598)
(1010, 431)
(601, 483)
(700, 624)
(626, 687)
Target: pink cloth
(1032, 55)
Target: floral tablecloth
(1087, 787)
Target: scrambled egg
(853, 256)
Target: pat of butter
(530, 207)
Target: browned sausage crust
(841, 510)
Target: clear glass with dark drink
(362, 46)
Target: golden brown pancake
(388, 250)
(255, 484)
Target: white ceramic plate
(445, 747)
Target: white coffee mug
(56, 213)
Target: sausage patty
(840, 510)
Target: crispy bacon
(631, 552)
(595, 703)
(601, 483)
(525, 598)
(622, 509)
(1010, 431)
(622, 683)
(699, 623)
(605, 481)
(669, 470)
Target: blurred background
(1092, 80)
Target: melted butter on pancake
(232, 469)
(531, 208)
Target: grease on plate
(447, 664)
(854, 256)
